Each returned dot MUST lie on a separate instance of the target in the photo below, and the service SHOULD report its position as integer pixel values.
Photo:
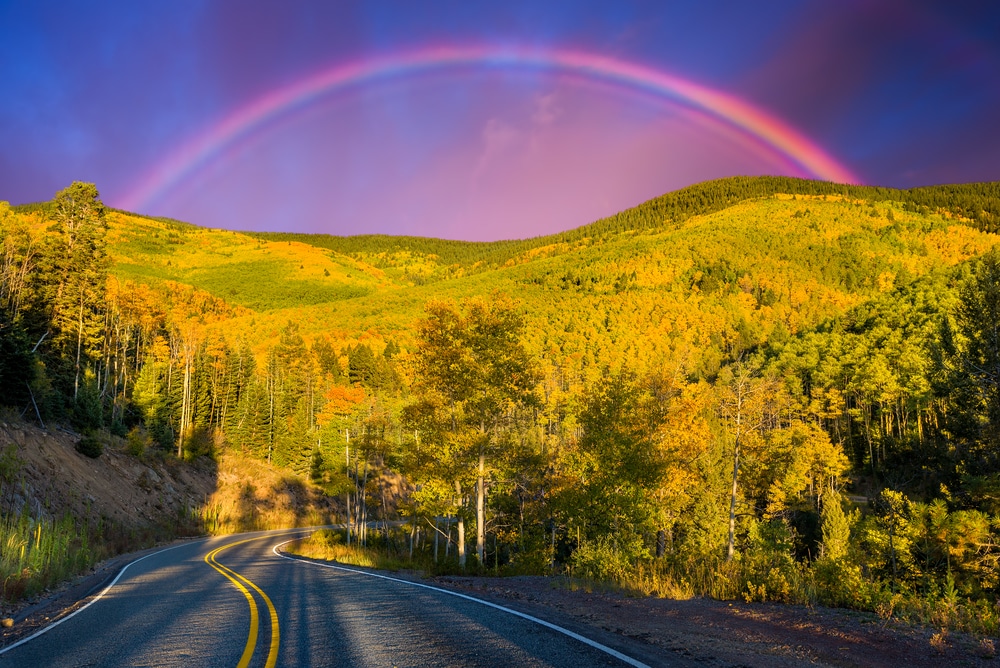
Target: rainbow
(243, 122)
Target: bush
(137, 441)
(603, 559)
(327, 537)
(90, 446)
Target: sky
(483, 120)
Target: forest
(758, 388)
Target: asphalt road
(235, 601)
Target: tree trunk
(461, 542)
(348, 516)
(553, 564)
(447, 539)
(185, 407)
(79, 347)
(364, 507)
(730, 544)
(481, 510)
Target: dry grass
(253, 496)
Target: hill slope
(720, 278)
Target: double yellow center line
(242, 583)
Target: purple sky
(900, 92)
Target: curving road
(236, 601)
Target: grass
(795, 584)
(38, 553)
(254, 496)
(391, 555)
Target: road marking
(239, 580)
(254, 616)
(549, 625)
(92, 601)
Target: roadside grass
(255, 496)
(38, 553)
(833, 585)
(384, 550)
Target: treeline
(978, 203)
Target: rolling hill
(693, 275)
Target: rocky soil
(53, 479)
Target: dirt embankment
(52, 479)
(235, 493)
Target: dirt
(54, 479)
(718, 633)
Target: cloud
(498, 137)
(547, 109)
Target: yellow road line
(239, 580)
(252, 638)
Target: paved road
(234, 601)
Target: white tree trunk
(481, 510)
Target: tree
(974, 359)
(619, 458)
(17, 364)
(473, 358)
(835, 527)
(79, 269)
(18, 263)
(743, 410)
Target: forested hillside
(757, 387)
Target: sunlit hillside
(686, 293)
(262, 276)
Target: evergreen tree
(78, 266)
(975, 368)
(17, 364)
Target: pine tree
(79, 265)
(970, 354)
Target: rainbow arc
(768, 131)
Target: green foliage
(599, 416)
(91, 446)
(617, 458)
(17, 364)
(836, 528)
(607, 558)
(36, 554)
(973, 358)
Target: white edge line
(89, 603)
(576, 636)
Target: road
(236, 601)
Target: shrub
(603, 559)
(90, 446)
(137, 441)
